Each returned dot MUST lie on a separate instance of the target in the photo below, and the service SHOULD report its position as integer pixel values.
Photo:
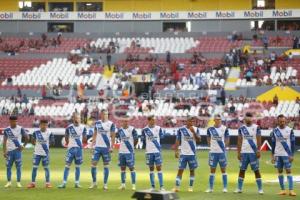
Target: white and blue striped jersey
(283, 141)
(14, 137)
(152, 137)
(103, 130)
(42, 138)
(75, 133)
(187, 140)
(127, 137)
(217, 138)
(249, 135)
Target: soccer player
(218, 140)
(75, 136)
(283, 148)
(151, 136)
(248, 148)
(42, 139)
(128, 140)
(103, 141)
(12, 149)
(187, 137)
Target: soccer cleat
(238, 191)
(260, 192)
(190, 189)
(175, 189)
(77, 185)
(48, 185)
(133, 187)
(122, 187)
(162, 189)
(209, 191)
(292, 193)
(7, 185)
(93, 186)
(105, 187)
(225, 190)
(31, 186)
(62, 186)
(19, 185)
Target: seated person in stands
(249, 75)
(298, 100)
(138, 44)
(275, 100)
(133, 44)
(129, 58)
(136, 57)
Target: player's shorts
(14, 156)
(282, 162)
(249, 158)
(190, 160)
(74, 153)
(217, 158)
(38, 158)
(101, 152)
(153, 159)
(126, 159)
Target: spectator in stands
(108, 58)
(24, 99)
(265, 41)
(44, 37)
(138, 44)
(273, 57)
(275, 100)
(296, 42)
(168, 57)
(223, 96)
(298, 100)
(249, 75)
(36, 123)
(31, 111)
(84, 114)
(2, 75)
(100, 61)
(59, 39)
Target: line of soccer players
(105, 133)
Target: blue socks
(192, 180)
(211, 181)
(77, 174)
(47, 174)
(34, 173)
(8, 174)
(178, 181)
(66, 173)
(259, 183)
(123, 177)
(133, 177)
(18, 173)
(94, 174)
(240, 183)
(106, 174)
(152, 179)
(281, 181)
(290, 182)
(224, 178)
(160, 178)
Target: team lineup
(106, 133)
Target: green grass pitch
(169, 168)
